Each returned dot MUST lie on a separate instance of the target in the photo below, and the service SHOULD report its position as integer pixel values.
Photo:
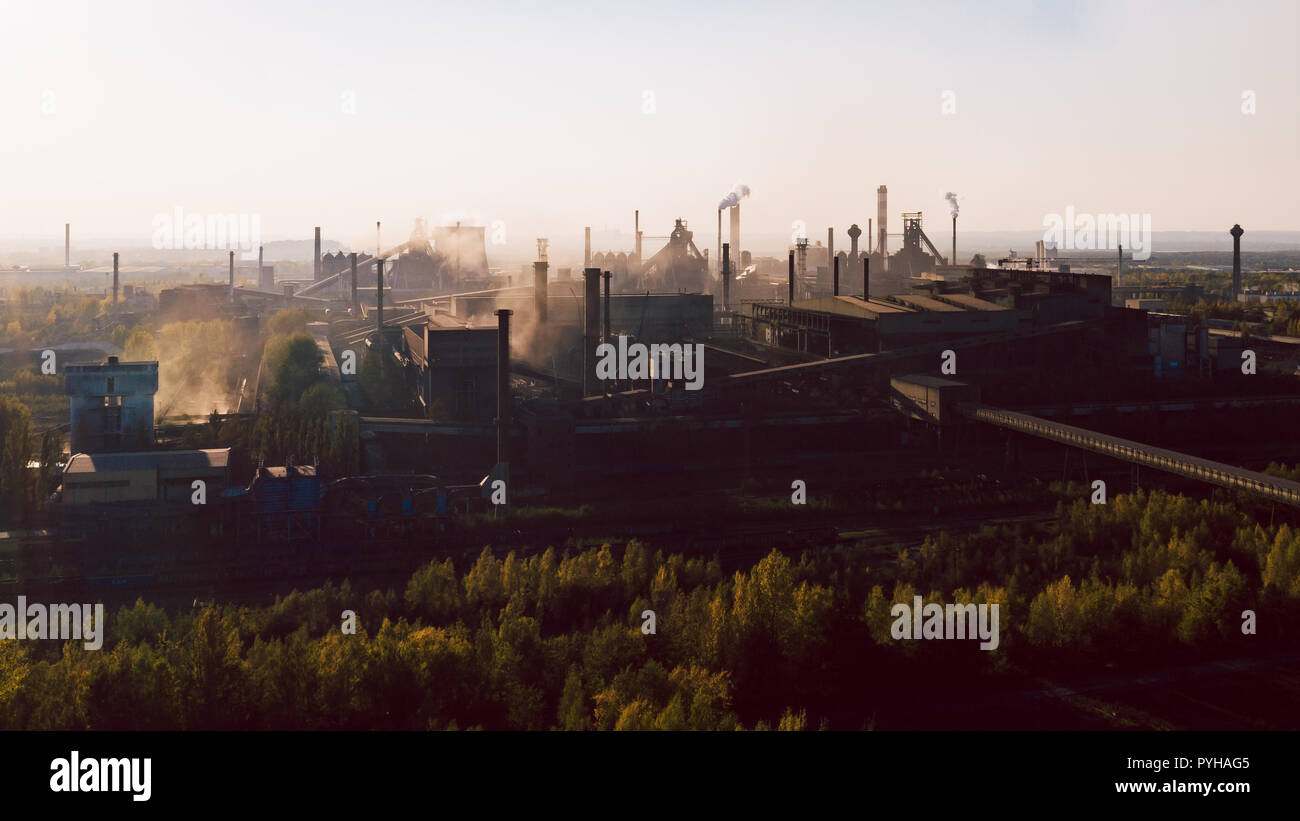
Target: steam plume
(738, 192)
(952, 203)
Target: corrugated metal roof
(212, 459)
(973, 302)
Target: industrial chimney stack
(882, 217)
(503, 388)
(232, 275)
(115, 277)
(269, 283)
(735, 229)
(954, 241)
(379, 302)
(1236, 260)
(586, 253)
(726, 275)
(539, 290)
(790, 299)
(835, 283)
(590, 330)
(356, 305)
(315, 271)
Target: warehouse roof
(164, 460)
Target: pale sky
(533, 113)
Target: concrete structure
(159, 476)
(931, 398)
(111, 405)
(453, 366)
(1236, 260)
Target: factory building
(287, 502)
(452, 367)
(840, 325)
(120, 479)
(111, 405)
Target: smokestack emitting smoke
(315, 264)
(67, 245)
(732, 200)
(115, 277)
(1236, 259)
(590, 330)
(586, 254)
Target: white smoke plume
(952, 203)
(738, 192)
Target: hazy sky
(534, 113)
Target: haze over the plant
(536, 114)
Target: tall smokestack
(232, 274)
(870, 235)
(790, 300)
(721, 245)
(608, 276)
(115, 277)
(882, 217)
(67, 245)
(726, 275)
(866, 278)
(539, 290)
(954, 241)
(503, 386)
(315, 271)
(379, 301)
(735, 228)
(586, 254)
(830, 245)
(356, 304)
(269, 285)
(590, 330)
(836, 281)
(1119, 268)
(1236, 260)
